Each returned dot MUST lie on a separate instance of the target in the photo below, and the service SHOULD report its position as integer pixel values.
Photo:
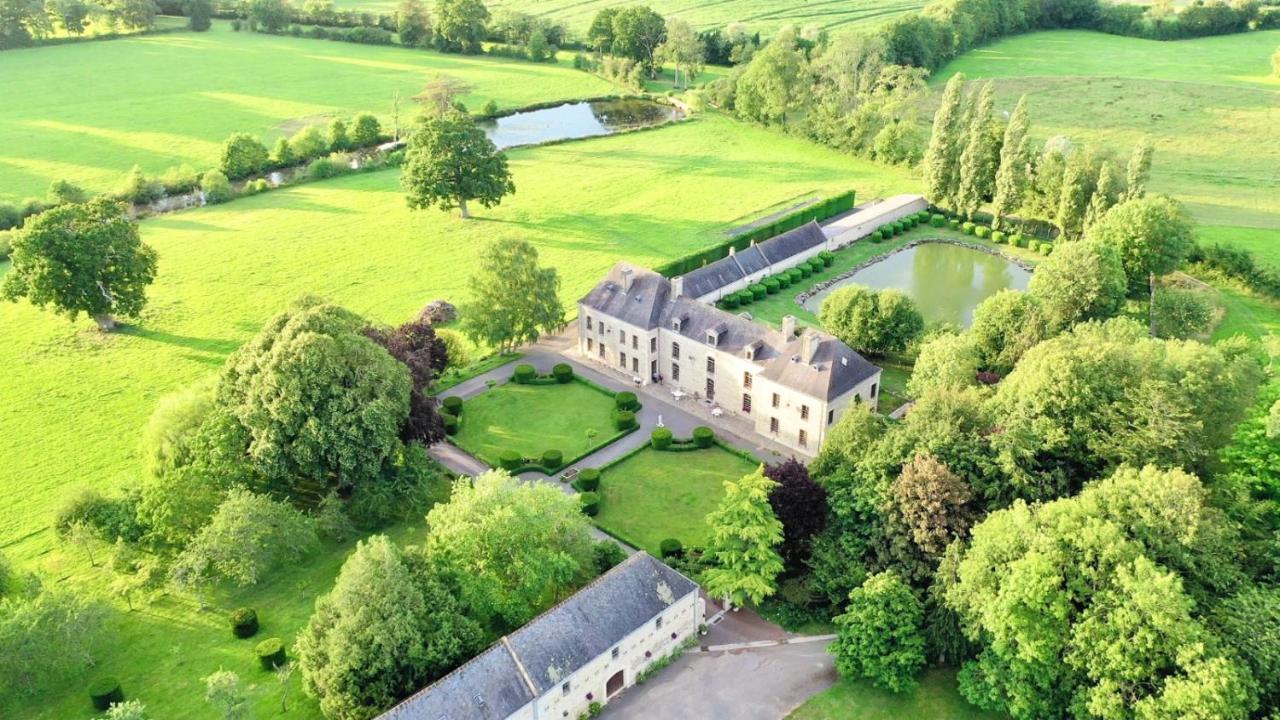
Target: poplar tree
(941, 159)
(744, 538)
(1074, 195)
(1139, 170)
(1105, 192)
(1011, 177)
(977, 162)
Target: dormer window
(678, 322)
(714, 333)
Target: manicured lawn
(893, 385)
(531, 419)
(654, 495)
(935, 698)
(87, 112)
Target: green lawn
(1210, 105)
(531, 419)
(654, 495)
(893, 385)
(87, 112)
(935, 699)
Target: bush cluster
(588, 479)
(626, 400)
(670, 548)
(105, 692)
(776, 282)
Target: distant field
(763, 16)
(87, 112)
(1210, 105)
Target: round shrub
(771, 285)
(589, 479)
(745, 297)
(450, 422)
(552, 459)
(758, 291)
(1046, 248)
(997, 237)
(877, 236)
(982, 231)
(816, 265)
(805, 270)
(590, 503)
(452, 405)
(562, 372)
(271, 653)
(105, 692)
(729, 302)
(1033, 245)
(244, 622)
(702, 436)
(1017, 240)
(938, 220)
(794, 274)
(909, 221)
(509, 460)
(670, 547)
(782, 279)
(524, 374)
(626, 400)
(660, 438)
(624, 419)
(968, 228)
(827, 258)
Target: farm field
(1210, 106)
(90, 111)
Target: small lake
(946, 281)
(576, 120)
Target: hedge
(626, 400)
(827, 257)
(624, 419)
(552, 459)
(815, 265)
(509, 460)
(982, 231)
(450, 422)
(588, 479)
(771, 285)
(998, 237)
(524, 374)
(660, 438)
(703, 436)
(729, 302)
(758, 291)
(954, 224)
(938, 220)
(1018, 240)
(805, 270)
(794, 274)
(967, 228)
(244, 622)
(877, 236)
(590, 503)
(670, 547)
(562, 372)
(271, 653)
(105, 692)
(452, 405)
(1046, 248)
(782, 278)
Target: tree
(46, 633)
(744, 537)
(413, 24)
(450, 161)
(600, 34)
(62, 192)
(800, 505)
(248, 536)
(684, 49)
(1249, 622)
(321, 403)
(1005, 326)
(1138, 170)
(1152, 234)
(243, 155)
(70, 14)
(268, 15)
(416, 346)
(1080, 281)
(638, 32)
(934, 504)
(282, 154)
(460, 25)
(224, 691)
(980, 156)
(309, 143)
(318, 11)
(510, 547)
(1180, 314)
(1105, 194)
(870, 321)
(127, 710)
(338, 140)
(133, 14)
(880, 635)
(199, 14)
(945, 360)
(82, 259)
(942, 158)
(387, 628)
(774, 83)
(365, 131)
(513, 299)
(1012, 174)
(1073, 197)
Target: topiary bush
(997, 237)
(794, 275)
(771, 285)
(815, 266)
(1046, 248)
(1017, 240)
(552, 459)
(670, 547)
(271, 653)
(1033, 245)
(745, 297)
(105, 692)
(968, 228)
(827, 258)
(938, 220)
(509, 460)
(982, 231)
(954, 224)
(562, 372)
(660, 438)
(626, 400)
(524, 374)
(703, 436)
(244, 622)
(624, 419)
(783, 279)
(590, 503)
(450, 422)
(589, 479)
(452, 405)
(758, 291)
(805, 270)
(877, 236)
(729, 302)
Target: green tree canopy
(1079, 281)
(460, 25)
(774, 83)
(1152, 234)
(248, 536)
(638, 32)
(243, 155)
(413, 23)
(880, 635)
(745, 535)
(871, 321)
(945, 360)
(1005, 326)
(82, 259)
(450, 161)
(946, 142)
(513, 299)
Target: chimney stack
(627, 277)
(809, 346)
(677, 286)
(788, 327)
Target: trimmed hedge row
(774, 283)
(588, 480)
(901, 225)
(590, 503)
(662, 439)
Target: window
(601, 349)
(831, 416)
(675, 351)
(711, 364)
(635, 342)
(588, 322)
(622, 338)
(804, 439)
(653, 344)
(591, 344)
(614, 654)
(746, 379)
(565, 688)
(675, 371)
(622, 360)
(873, 389)
(658, 622)
(804, 414)
(773, 425)
(635, 364)
(746, 402)
(776, 400)
(711, 389)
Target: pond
(946, 281)
(576, 120)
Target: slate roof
(712, 276)
(750, 259)
(793, 242)
(552, 646)
(738, 331)
(835, 369)
(641, 306)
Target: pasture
(90, 111)
(1210, 105)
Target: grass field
(531, 419)
(90, 111)
(936, 698)
(1210, 105)
(655, 495)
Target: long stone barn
(586, 649)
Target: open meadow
(90, 111)
(1210, 106)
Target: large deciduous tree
(413, 24)
(881, 635)
(513, 299)
(248, 536)
(934, 505)
(46, 633)
(450, 161)
(1079, 281)
(945, 360)
(460, 25)
(416, 346)
(638, 32)
(800, 505)
(744, 538)
(243, 155)
(1152, 234)
(387, 628)
(683, 49)
(870, 321)
(1005, 326)
(774, 84)
(82, 259)
(942, 158)
(510, 547)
